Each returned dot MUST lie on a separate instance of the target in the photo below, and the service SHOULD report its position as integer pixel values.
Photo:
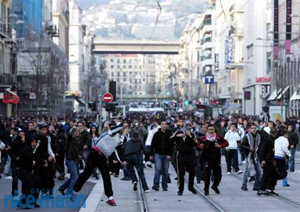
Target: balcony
(208, 28)
(208, 45)
(207, 60)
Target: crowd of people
(36, 152)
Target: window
(118, 74)
(130, 66)
(124, 61)
(112, 67)
(118, 66)
(111, 60)
(118, 61)
(144, 80)
(135, 80)
(112, 74)
(124, 74)
(130, 80)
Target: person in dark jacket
(31, 182)
(266, 158)
(186, 141)
(44, 151)
(31, 130)
(84, 142)
(161, 149)
(250, 146)
(72, 154)
(60, 146)
(293, 141)
(132, 159)
(16, 147)
(211, 146)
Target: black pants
(135, 161)
(114, 167)
(51, 171)
(269, 177)
(15, 179)
(43, 173)
(199, 169)
(281, 167)
(232, 157)
(217, 171)
(60, 162)
(99, 161)
(185, 162)
(31, 184)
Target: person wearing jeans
(72, 154)
(232, 136)
(250, 147)
(161, 149)
(293, 141)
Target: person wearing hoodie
(186, 142)
(281, 154)
(16, 147)
(98, 157)
(211, 145)
(250, 147)
(233, 137)
(132, 159)
(293, 141)
(266, 158)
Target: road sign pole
(100, 117)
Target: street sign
(107, 97)
(209, 79)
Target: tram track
(282, 198)
(142, 198)
(213, 204)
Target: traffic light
(93, 106)
(110, 107)
(168, 93)
(112, 89)
(186, 102)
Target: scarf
(211, 137)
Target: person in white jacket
(154, 129)
(233, 137)
(281, 155)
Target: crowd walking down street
(36, 153)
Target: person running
(72, 154)
(132, 159)
(281, 154)
(161, 151)
(211, 145)
(98, 158)
(186, 141)
(250, 146)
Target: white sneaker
(228, 173)
(147, 191)
(239, 172)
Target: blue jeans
(161, 168)
(249, 164)
(135, 161)
(69, 184)
(292, 161)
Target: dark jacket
(133, 147)
(60, 142)
(245, 145)
(161, 143)
(72, 147)
(185, 145)
(84, 139)
(27, 157)
(210, 153)
(42, 148)
(293, 139)
(266, 152)
(15, 151)
(29, 135)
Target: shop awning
(296, 96)
(80, 101)
(273, 95)
(283, 92)
(265, 95)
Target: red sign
(107, 97)
(263, 79)
(15, 99)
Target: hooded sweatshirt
(281, 147)
(232, 138)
